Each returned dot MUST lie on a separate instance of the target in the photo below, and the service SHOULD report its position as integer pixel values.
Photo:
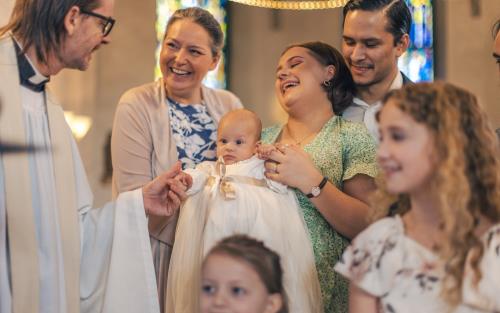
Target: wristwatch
(316, 190)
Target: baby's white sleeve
(200, 175)
(275, 186)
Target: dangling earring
(327, 83)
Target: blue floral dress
(194, 132)
(341, 150)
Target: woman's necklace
(299, 141)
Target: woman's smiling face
(299, 75)
(186, 57)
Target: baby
(233, 196)
(238, 137)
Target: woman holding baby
(329, 161)
(170, 120)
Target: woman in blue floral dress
(174, 118)
(329, 161)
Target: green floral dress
(341, 150)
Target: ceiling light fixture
(294, 4)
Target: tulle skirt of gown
(259, 212)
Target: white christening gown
(238, 199)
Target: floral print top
(194, 132)
(407, 277)
(341, 150)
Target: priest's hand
(163, 195)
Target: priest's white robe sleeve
(116, 270)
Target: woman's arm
(131, 148)
(361, 302)
(346, 211)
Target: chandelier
(294, 4)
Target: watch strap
(320, 187)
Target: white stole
(18, 198)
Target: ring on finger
(275, 166)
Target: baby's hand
(184, 179)
(264, 150)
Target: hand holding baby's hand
(264, 150)
(185, 179)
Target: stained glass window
(418, 62)
(165, 8)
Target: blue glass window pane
(418, 62)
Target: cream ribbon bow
(226, 187)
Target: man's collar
(28, 74)
(397, 83)
(359, 102)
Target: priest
(57, 253)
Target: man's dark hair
(397, 12)
(496, 28)
(40, 23)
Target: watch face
(315, 191)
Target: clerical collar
(28, 74)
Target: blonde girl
(439, 162)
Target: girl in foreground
(242, 275)
(439, 160)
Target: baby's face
(236, 140)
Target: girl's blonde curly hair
(467, 175)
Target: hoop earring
(327, 83)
